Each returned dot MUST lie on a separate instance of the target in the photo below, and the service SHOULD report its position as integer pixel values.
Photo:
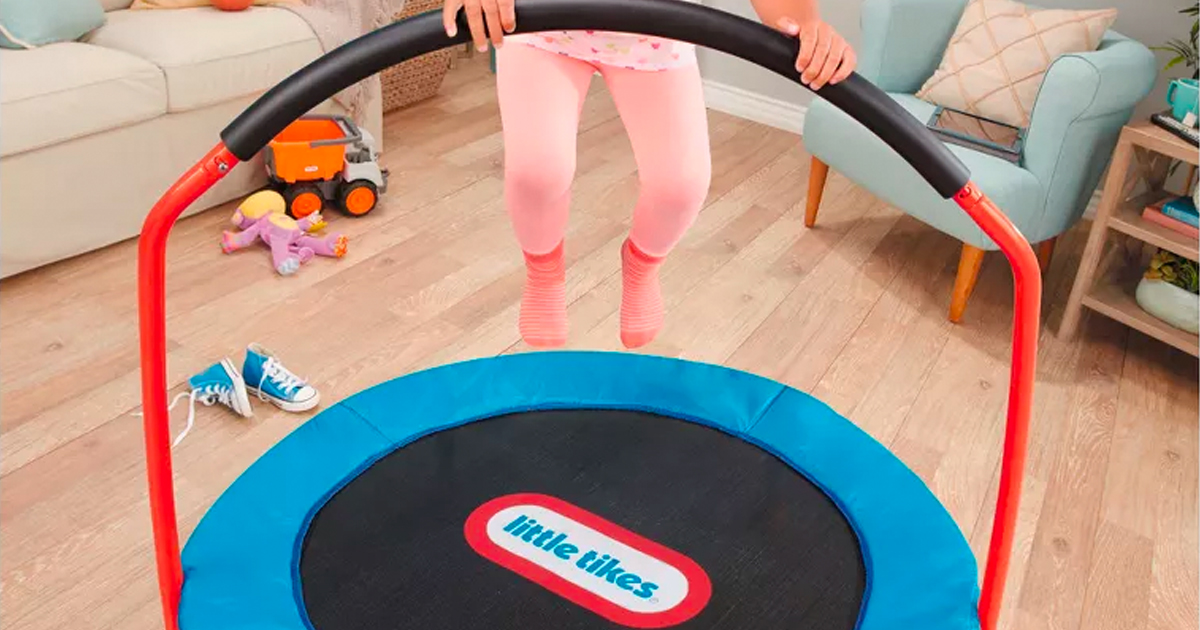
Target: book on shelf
(1182, 209)
(1156, 213)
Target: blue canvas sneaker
(220, 383)
(270, 381)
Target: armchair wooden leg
(1045, 252)
(816, 186)
(964, 283)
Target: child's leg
(667, 122)
(541, 95)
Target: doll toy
(261, 216)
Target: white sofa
(92, 132)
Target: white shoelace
(208, 396)
(279, 375)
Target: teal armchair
(1084, 101)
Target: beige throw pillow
(1000, 52)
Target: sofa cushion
(212, 56)
(63, 91)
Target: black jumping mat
(389, 551)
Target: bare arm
(825, 57)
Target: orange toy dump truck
(325, 158)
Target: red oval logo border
(699, 585)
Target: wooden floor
(853, 311)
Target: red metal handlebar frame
(152, 247)
(152, 315)
(1027, 311)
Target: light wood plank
(1057, 572)
(1119, 583)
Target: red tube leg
(152, 248)
(1027, 282)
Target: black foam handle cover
(671, 19)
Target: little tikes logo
(588, 560)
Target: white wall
(718, 67)
(1150, 21)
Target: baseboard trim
(755, 107)
(1090, 210)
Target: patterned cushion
(1000, 52)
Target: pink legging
(541, 95)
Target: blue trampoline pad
(578, 490)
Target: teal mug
(1181, 96)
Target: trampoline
(578, 490)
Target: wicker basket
(419, 78)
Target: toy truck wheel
(303, 200)
(358, 197)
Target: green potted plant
(1185, 51)
(1170, 291)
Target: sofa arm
(903, 40)
(1083, 102)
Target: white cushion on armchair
(213, 56)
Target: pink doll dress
(622, 50)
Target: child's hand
(825, 58)
(499, 16)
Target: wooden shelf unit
(1142, 157)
